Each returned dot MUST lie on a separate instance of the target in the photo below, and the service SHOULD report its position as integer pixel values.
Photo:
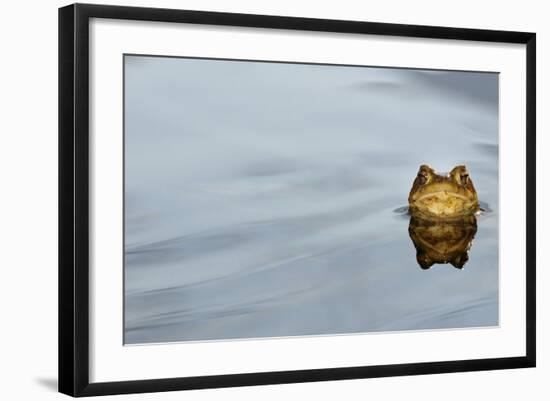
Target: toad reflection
(442, 241)
(443, 211)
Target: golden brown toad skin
(447, 196)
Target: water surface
(260, 198)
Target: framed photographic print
(251, 199)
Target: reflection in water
(439, 241)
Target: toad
(443, 196)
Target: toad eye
(422, 178)
(464, 178)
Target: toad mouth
(442, 195)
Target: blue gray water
(260, 198)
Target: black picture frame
(74, 192)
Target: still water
(267, 200)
